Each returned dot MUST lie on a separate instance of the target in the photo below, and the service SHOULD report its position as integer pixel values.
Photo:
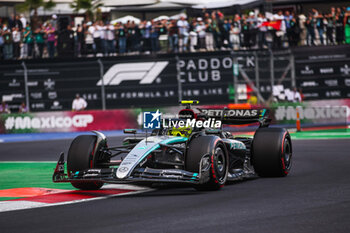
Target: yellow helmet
(180, 131)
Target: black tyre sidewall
(81, 156)
(268, 148)
(203, 145)
(286, 168)
(218, 178)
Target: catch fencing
(164, 79)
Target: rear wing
(227, 116)
(239, 116)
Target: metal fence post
(235, 77)
(257, 77)
(272, 71)
(103, 94)
(292, 70)
(25, 72)
(178, 76)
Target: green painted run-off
(28, 174)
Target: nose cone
(122, 172)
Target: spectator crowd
(211, 31)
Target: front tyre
(82, 155)
(214, 148)
(272, 152)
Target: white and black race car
(204, 158)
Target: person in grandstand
(339, 26)
(79, 103)
(278, 36)
(235, 32)
(50, 32)
(347, 26)
(4, 108)
(183, 26)
(173, 36)
(294, 96)
(200, 29)
(8, 40)
(39, 39)
(65, 42)
(23, 108)
(262, 43)
(16, 37)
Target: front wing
(139, 175)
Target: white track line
(28, 162)
(9, 161)
(330, 134)
(19, 205)
(22, 205)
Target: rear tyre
(81, 156)
(218, 158)
(272, 152)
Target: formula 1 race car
(204, 158)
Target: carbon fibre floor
(314, 198)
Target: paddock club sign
(147, 83)
(129, 82)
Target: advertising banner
(68, 121)
(128, 81)
(323, 73)
(312, 113)
(326, 112)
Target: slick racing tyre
(272, 152)
(217, 155)
(81, 156)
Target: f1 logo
(151, 120)
(144, 72)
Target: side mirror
(129, 131)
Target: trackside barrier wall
(223, 77)
(66, 121)
(313, 113)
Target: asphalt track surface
(315, 197)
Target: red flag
(275, 24)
